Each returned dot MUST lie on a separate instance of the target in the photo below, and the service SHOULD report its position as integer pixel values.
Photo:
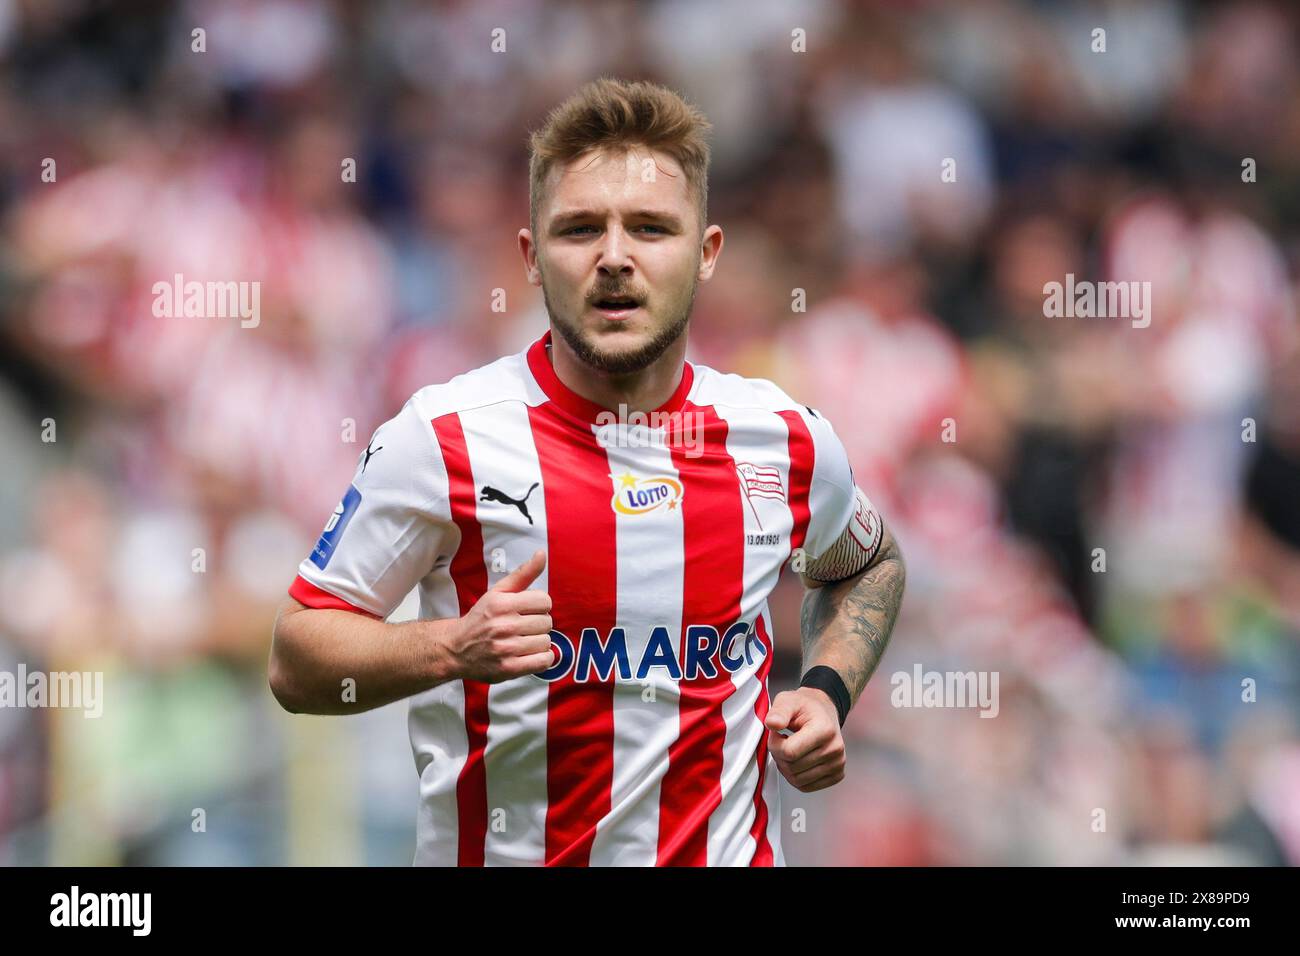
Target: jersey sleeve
(844, 529)
(390, 528)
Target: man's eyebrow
(561, 220)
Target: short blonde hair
(622, 113)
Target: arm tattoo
(846, 624)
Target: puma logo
(491, 494)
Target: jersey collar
(573, 403)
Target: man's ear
(528, 249)
(710, 249)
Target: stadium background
(1120, 690)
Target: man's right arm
(315, 652)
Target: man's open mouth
(616, 304)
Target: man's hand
(507, 633)
(812, 757)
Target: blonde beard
(625, 362)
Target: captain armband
(854, 548)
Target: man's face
(618, 252)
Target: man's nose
(614, 258)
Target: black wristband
(826, 679)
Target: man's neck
(642, 391)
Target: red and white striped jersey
(644, 743)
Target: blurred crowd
(1107, 516)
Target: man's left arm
(845, 624)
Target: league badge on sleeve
(329, 538)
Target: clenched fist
(507, 633)
(812, 757)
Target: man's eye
(577, 229)
(658, 229)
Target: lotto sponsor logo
(704, 654)
(639, 496)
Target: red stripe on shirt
(802, 459)
(469, 573)
(762, 847)
(582, 579)
(802, 453)
(308, 594)
(713, 539)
